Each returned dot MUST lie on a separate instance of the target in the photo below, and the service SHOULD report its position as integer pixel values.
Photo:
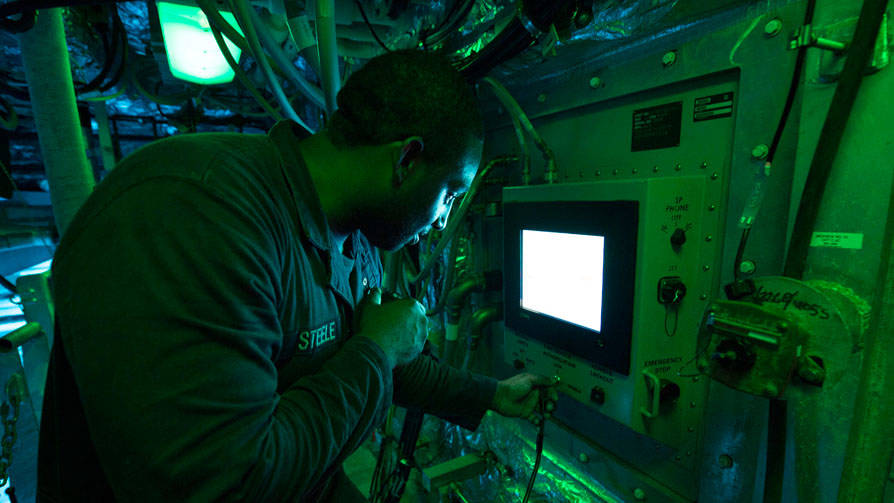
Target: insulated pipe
(19, 337)
(47, 70)
(328, 50)
(870, 443)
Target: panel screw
(712, 207)
(725, 461)
(747, 267)
(654, 169)
(708, 238)
(639, 494)
(635, 171)
(704, 164)
(691, 405)
(598, 172)
(707, 268)
(583, 458)
(760, 151)
(703, 297)
(773, 27)
(541, 98)
(595, 82)
(669, 58)
(678, 167)
(714, 176)
(616, 171)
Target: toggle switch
(678, 238)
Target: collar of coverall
(286, 134)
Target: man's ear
(410, 150)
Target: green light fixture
(193, 54)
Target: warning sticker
(713, 107)
(853, 241)
(657, 127)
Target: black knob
(678, 238)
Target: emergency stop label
(657, 127)
(717, 106)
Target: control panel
(658, 259)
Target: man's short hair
(409, 93)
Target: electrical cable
(450, 22)
(456, 219)
(107, 48)
(243, 78)
(241, 11)
(124, 48)
(8, 285)
(540, 434)
(449, 277)
(517, 113)
(794, 85)
(370, 26)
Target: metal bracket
(806, 36)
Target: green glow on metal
(192, 53)
(573, 473)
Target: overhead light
(193, 55)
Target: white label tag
(853, 241)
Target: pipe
(328, 51)
(311, 91)
(19, 336)
(518, 114)
(303, 37)
(242, 9)
(860, 51)
(50, 87)
(482, 318)
(447, 285)
(870, 443)
(458, 295)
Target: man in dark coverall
(206, 297)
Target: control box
(605, 286)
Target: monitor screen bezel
(618, 223)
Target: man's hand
(520, 395)
(398, 327)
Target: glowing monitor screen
(562, 276)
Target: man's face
(423, 202)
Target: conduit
(47, 70)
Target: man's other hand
(398, 327)
(520, 395)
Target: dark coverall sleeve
(458, 396)
(170, 311)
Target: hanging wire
(370, 26)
